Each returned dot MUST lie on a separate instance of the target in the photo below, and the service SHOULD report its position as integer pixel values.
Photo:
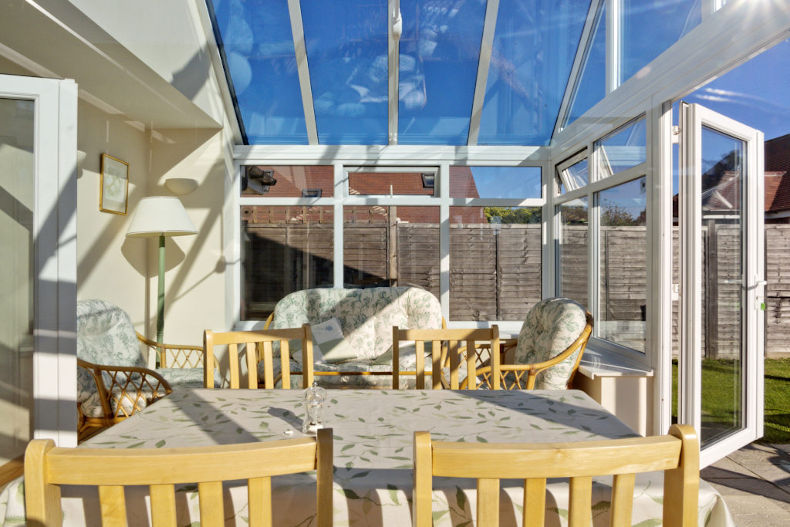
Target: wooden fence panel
(418, 255)
(519, 270)
(473, 276)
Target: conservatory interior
(493, 153)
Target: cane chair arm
(132, 388)
(522, 376)
(175, 355)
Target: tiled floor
(755, 483)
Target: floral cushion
(366, 317)
(106, 335)
(383, 307)
(550, 327)
(192, 377)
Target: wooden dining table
(373, 433)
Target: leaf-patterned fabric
(373, 436)
(106, 336)
(366, 317)
(549, 328)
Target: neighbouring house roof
(777, 174)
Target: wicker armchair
(113, 380)
(548, 350)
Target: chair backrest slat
(622, 499)
(436, 364)
(488, 502)
(163, 505)
(233, 358)
(211, 504)
(677, 454)
(419, 348)
(260, 348)
(580, 502)
(113, 505)
(285, 358)
(534, 504)
(47, 468)
(259, 499)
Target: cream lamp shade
(160, 216)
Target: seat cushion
(192, 377)
(106, 335)
(549, 328)
(357, 309)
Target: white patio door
(38, 152)
(721, 224)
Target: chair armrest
(175, 355)
(129, 387)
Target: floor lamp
(160, 216)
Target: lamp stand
(160, 303)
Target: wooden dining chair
(449, 348)
(47, 468)
(677, 454)
(260, 346)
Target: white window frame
(672, 75)
(391, 158)
(598, 183)
(55, 258)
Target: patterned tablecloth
(373, 432)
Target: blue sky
(756, 93)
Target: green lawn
(720, 397)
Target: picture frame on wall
(114, 185)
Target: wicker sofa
(366, 317)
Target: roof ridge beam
(394, 30)
(585, 42)
(483, 65)
(300, 50)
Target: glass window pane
(495, 262)
(623, 149)
(573, 258)
(591, 87)
(722, 287)
(391, 183)
(391, 245)
(575, 176)
(651, 27)
(622, 264)
(17, 239)
(533, 50)
(439, 52)
(259, 54)
(347, 57)
(284, 249)
(288, 181)
(495, 182)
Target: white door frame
(55, 253)
(692, 118)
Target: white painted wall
(109, 266)
(195, 265)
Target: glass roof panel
(651, 27)
(591, 87)
(439, 52)
(534, 46)
(257, 46)
(347, 56)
